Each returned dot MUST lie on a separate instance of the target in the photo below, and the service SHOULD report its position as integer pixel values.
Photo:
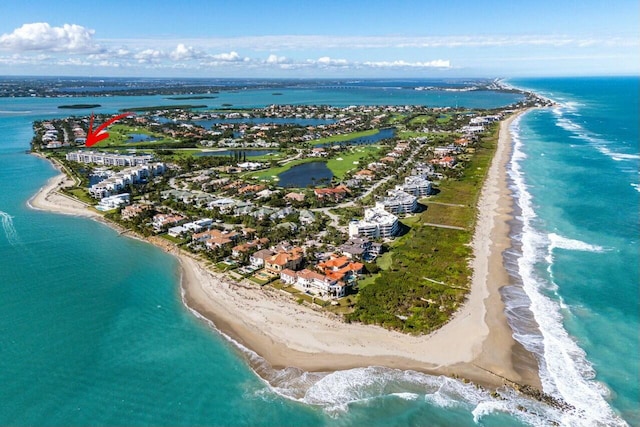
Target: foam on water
(334, 392)
(564, 370)
(557, 241)
(580, 133)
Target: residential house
(291, 259)
(341, 268)
(364, 174)
(244, 248)
(295, 197)
(162, 222)
(314, 283)
(132, 211)
(258, 258)
(336, 194)
(306, 217)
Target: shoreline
(476, 343)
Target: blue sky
(454, 38)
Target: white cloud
(327, 61)
(42, 36)
(149, 55)
(182, 53)
(275, 59)
(229, 57)
(438, 63)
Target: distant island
(163, 107)
(79, 106)
(191, 97)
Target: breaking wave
(579, 132)
(564, 369)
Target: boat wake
(9, 229)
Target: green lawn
(355, 154)
(119, 135)
(82, 195)
(448, 215)
(421, 120)
(176, 240)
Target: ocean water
(93, 331)
(575, 259)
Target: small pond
(385, 133)
(300, 176)
(141, 137)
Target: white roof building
(113, 202)
(416, 185)
(398, 202)
(376, 223)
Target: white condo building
(376, 223)
(416, 185)
(120, 180)
(109, 159)
(114, 202)
(398, 202)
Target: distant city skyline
(335, 39)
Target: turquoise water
(93, 330)
(575, 171)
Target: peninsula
(395, 261)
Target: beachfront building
(314, 283)
(113, 202)
(109, 159)
(198, 225)
(257, 259)
(120, 180)
(416, 185)
(216, 238)
(341, 268)
(239, 250)
(376, 223)
(163, 221)
(291, 259)
(398, 202)
(132, 211)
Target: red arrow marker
(100, 134)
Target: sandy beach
(476, 344)
(49, 198)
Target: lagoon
(297, 121)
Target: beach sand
(476, 343)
